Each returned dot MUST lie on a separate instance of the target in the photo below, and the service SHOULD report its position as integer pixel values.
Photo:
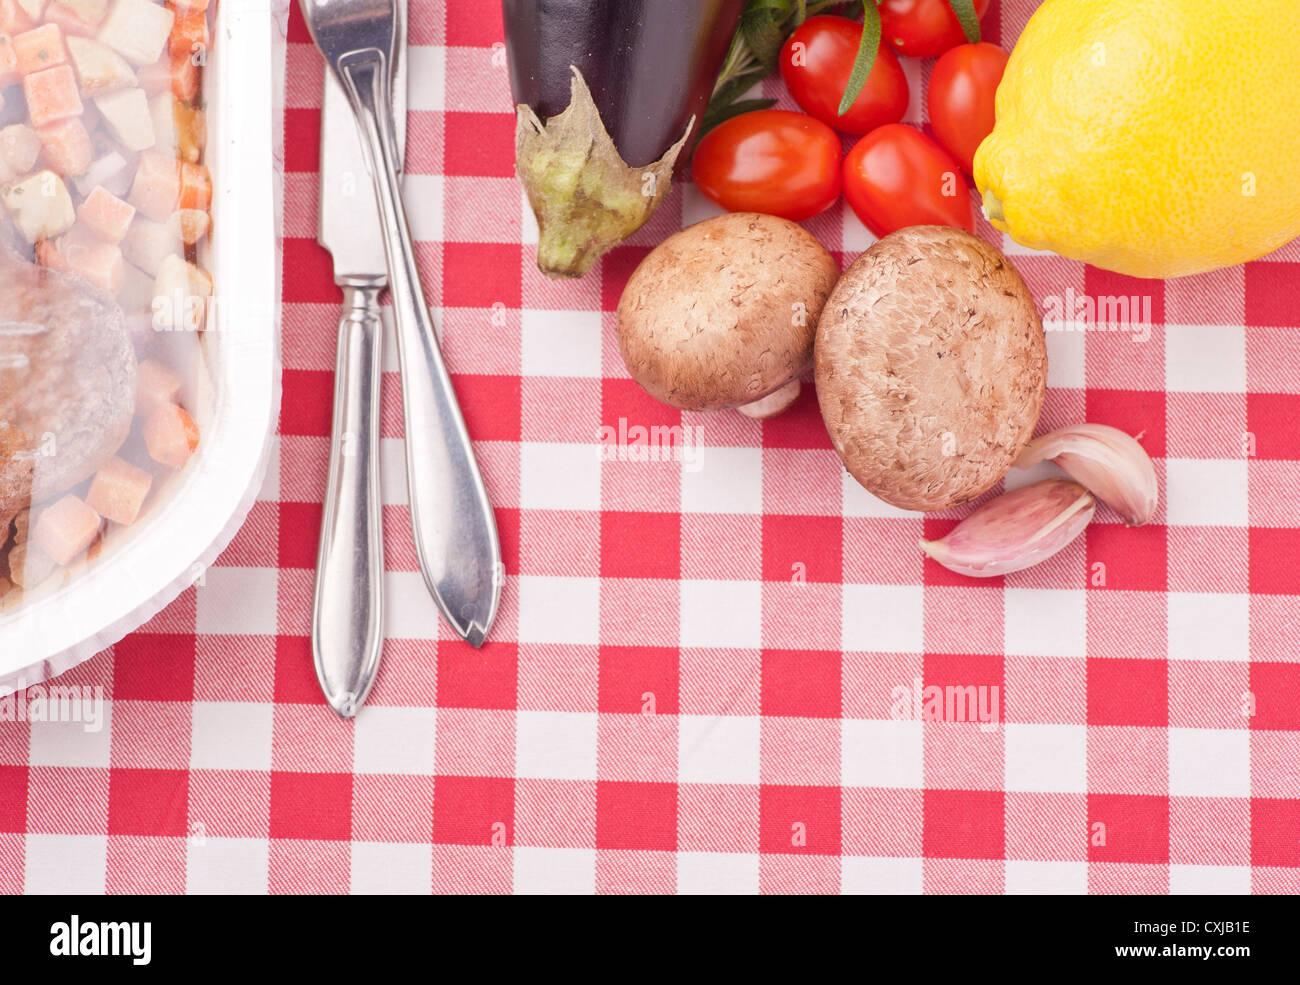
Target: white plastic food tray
(144, 569)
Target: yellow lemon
(1156, 138)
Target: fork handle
(451, 517)
(347, 616)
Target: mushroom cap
(724, 312)
(931, 367)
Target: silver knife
(455, 530)
(347, 619)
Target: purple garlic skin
(1110, 463)
(1015, 531)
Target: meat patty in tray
(67, 382)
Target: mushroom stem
(774, 403)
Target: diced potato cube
(19, 147)
(99, 67)
(111, 171)
(156, 190)
(178, 127)
(164, 120)
(40, 206)
(154, 77)
(65, 529)
(29, 565)
(136, 293)
(77, 17)
(155, 386)
(118, 491)
(137, 30)
(106, 215)
(126, 115)
(190, 225)
(67, 146)
(39, 49)
(51, 95)
(147, 244)
(180, 291)
(170, 435)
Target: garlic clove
(1110, 463)
(1015, 531)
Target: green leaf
(721, 114)
(866, 58)
(763, 27)
(737, 87)
(970, 21)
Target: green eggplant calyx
(586, 198)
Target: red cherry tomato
(896, 176)
(923, 28)
(962, 86)
(772, 161)
(816, 63)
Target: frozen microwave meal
(105, 287)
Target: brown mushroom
(723, 313)
(931, 367)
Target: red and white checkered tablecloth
(691, 685)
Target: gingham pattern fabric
(692, 683)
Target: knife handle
(452, 522)
(347, 618)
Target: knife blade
(350, 227)
(347, 615)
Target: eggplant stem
(585, 196)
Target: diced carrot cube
(13, 20)
(65, 529)
(190, 5)
(106, 215)
(80, 17)
(156, 191)
(66, 146)
(90, 257)
(184, 78)
(196, 187)
(40, 49)
(171, 435)
(189, 32)
(51, 95)
(155, 386)
(118, 491)
(9, 73)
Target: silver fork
(451, 518)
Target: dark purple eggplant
(608, 93)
